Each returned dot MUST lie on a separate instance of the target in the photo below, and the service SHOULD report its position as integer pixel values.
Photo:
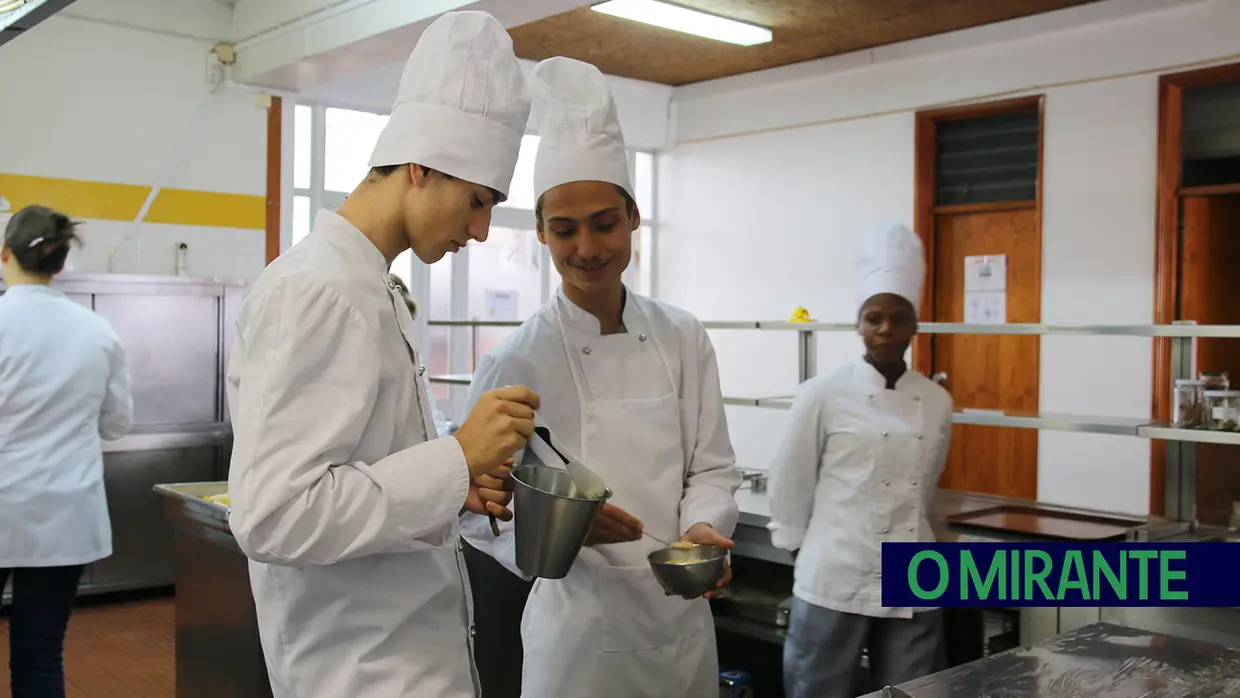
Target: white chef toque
(890, 259)
(579, 132)
(461, 107)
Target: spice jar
(1187, 410)
(1223, 410)
(1216, 380)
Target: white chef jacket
(859, 466)
(346, 510)
(595, 626)
(63, 385)
(534, 356)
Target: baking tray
(1045, 523)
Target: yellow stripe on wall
(121, 202)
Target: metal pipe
(807, 355)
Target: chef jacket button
(472, 630)
(460, 544)
(421, 371)
(886, 483)
(919, 437)
(586, 351)
(916, 398)
(914, 482)
(641, 337)
(910, 529)
(392, 285)
(884, 434)
(870, 396)
(883, 531)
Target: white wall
(775, 173)
(103, 92)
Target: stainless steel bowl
(689, 573)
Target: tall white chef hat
(890, 259)
(461, 107)
(579, 132)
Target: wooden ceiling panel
(802, 30)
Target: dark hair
(384, 171)
(404, 294)
(630, 206)
(39, 238)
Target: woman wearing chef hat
(63, 386)
(631, 385)
(342, 497)
(858, 467)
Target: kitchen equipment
(759, 605)
(1222, 410)
(893, 692)
(1187, 404)
(689, 573)
(1216, 380)
(550, 449)
(1045, 523)
(735, 684)
(551, 519)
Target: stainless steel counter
(1100, 660)
(218, 652)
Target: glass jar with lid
(1223, 410)
(1187, 410)
(1216, 380)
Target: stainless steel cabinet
(142, 552)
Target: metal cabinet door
(142, 543)
(172, 345)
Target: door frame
(1167, 246)
(925, 210)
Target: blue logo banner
(1060, 574)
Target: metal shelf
(452, 379)
(1163, 432)
(1088, 424)
(1175, 330)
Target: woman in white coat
(632, 386)
(858, 467)
(342, 497)
(63, 386)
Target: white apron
(608, 630)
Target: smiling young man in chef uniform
(859, 466)
(343, 499)
(632, 386)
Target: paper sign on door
(985, 289)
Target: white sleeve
(304, 380)
(712, 478)
(494, 372)
(116, 415)
(794, 471)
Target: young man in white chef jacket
(859, 466)
(343, 499)
(632, 386)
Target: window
(521, 191)
(505, 283)
(349, 141)
(301, 146)
(301, 218)
(1211, 135)
(987, 159)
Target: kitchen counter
(755, 514)
(1100, 660)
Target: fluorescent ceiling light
(682, 19)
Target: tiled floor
(116, 649)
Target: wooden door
(998, 372)
(1209, 289)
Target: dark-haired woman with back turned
(63, 386)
